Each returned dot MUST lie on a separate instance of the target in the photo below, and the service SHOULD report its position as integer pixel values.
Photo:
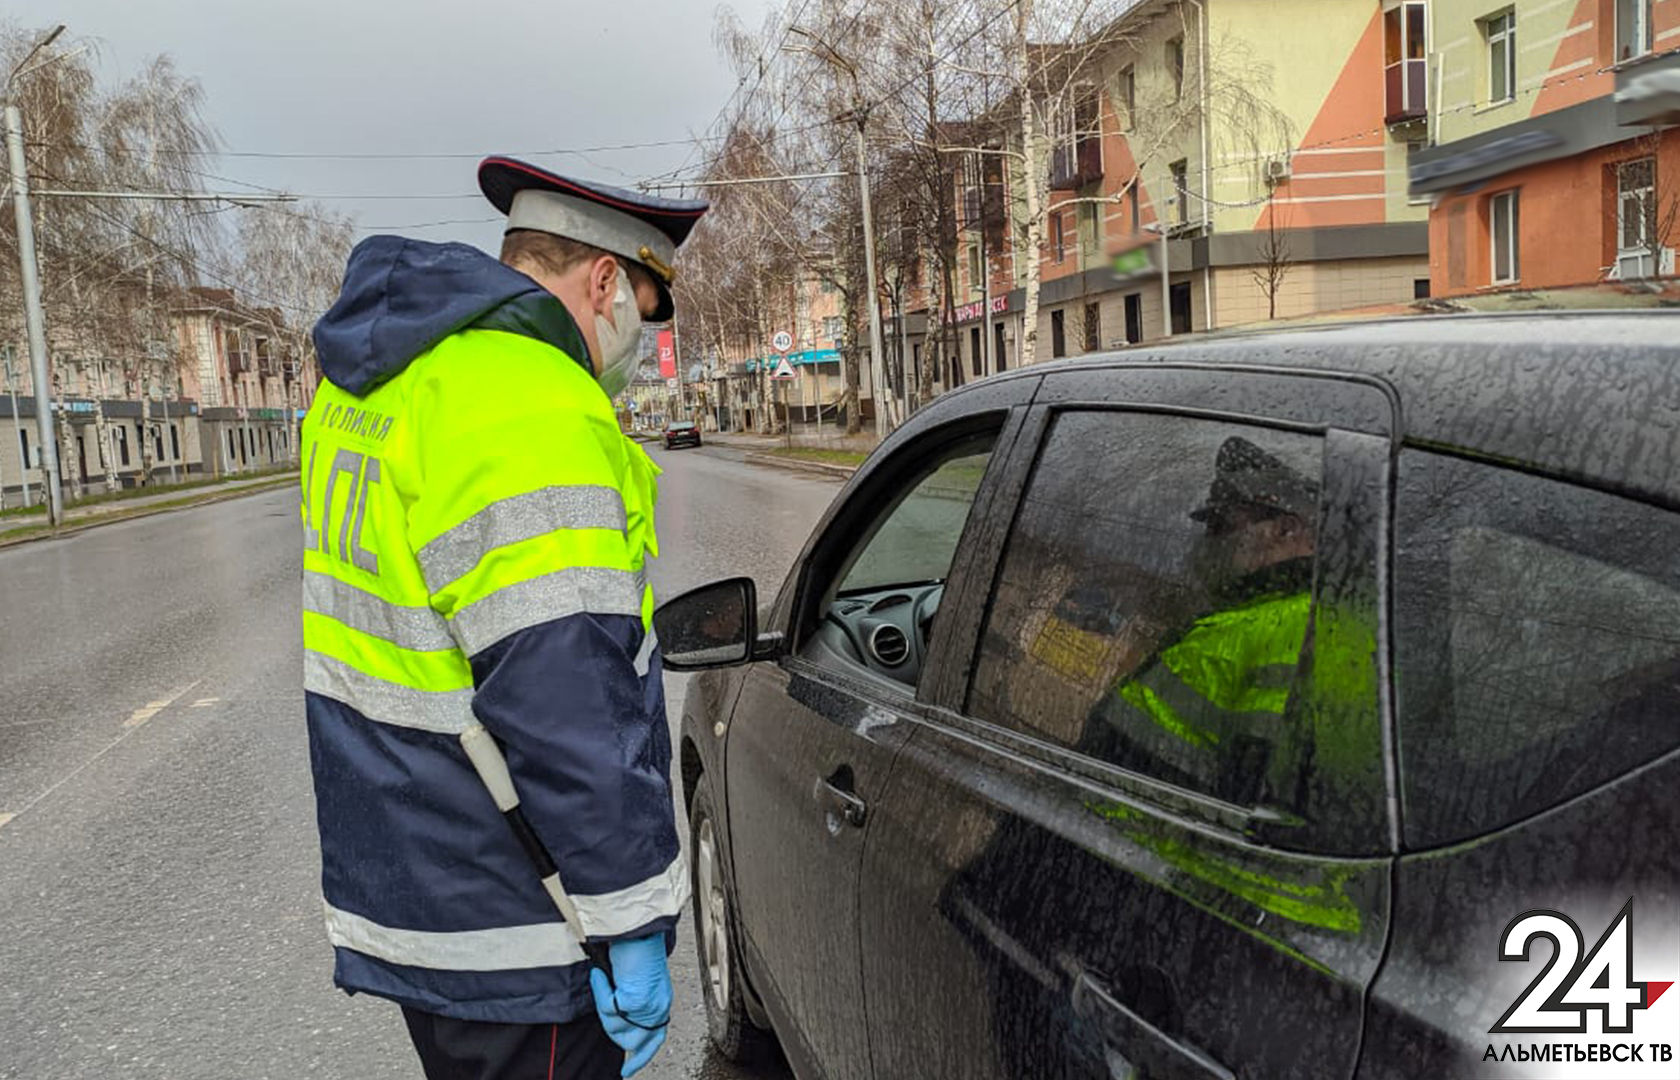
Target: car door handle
(835, 796)
(1144, 1050)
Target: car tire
(731, 1030)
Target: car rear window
(1537, 642)
(682, 425)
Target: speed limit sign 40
(782, 341)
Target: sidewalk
(15, 526)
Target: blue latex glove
(636, 1012)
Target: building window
(1093, 327)
(1000, 357)
(1183, 317)
(1633, 28)
(974, 267)
(1420, 288)
(1175, 65)
(1405, 68)
(1501, 31)
(1181, 191)
(1134, 318)
(1058, 334)
(157, 444)
(1125, 96)
(122, 444)
(1058, 238)
(1635, 206)
(1503, 210)
(174, 443)
(23, 444)
(1137, 210)
(974, 358)
(833, 327)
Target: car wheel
(731, 1030)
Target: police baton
(492, 768)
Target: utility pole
(860, 114)
(882, 398)
(32, 316)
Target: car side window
(1155, 607)
(877, 612)
(1537, 642)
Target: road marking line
(202, 702)
(5, 818)
(146, 712)
(130, 726)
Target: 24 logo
(1569, 987)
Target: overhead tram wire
(899, 88)
(763, 70)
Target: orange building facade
(1553, 160)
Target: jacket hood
(400, 297)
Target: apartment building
(1269, 140)
(118, 416)
(810, 310)
(251, 386)
(1550, 164)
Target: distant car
(681, 433)
(1209, 710)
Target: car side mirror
(713, 626)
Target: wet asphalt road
(159, 895)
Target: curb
(837, 471)
(145, 512)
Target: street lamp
(29, 270)
(872, 288)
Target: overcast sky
(402, 77)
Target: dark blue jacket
(475, 532)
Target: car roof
(1591, 396)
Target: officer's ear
(603, 283)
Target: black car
(682, 433)
(1219, 709)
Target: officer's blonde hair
(555, 255)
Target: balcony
(1405, 96)
(1076, 164)
(1406, 69)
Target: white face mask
(619, 339)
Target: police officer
(1222, 681)
(475, 535)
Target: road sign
(784, 370)
(782, 342)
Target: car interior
(879, 618)
(884, 631)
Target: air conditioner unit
(1277, 170)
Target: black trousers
(476, 1050)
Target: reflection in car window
(917, 539)
(1155, 599)
(1537, 642)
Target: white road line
(150, 709)
(130, 726)
(202, 702)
